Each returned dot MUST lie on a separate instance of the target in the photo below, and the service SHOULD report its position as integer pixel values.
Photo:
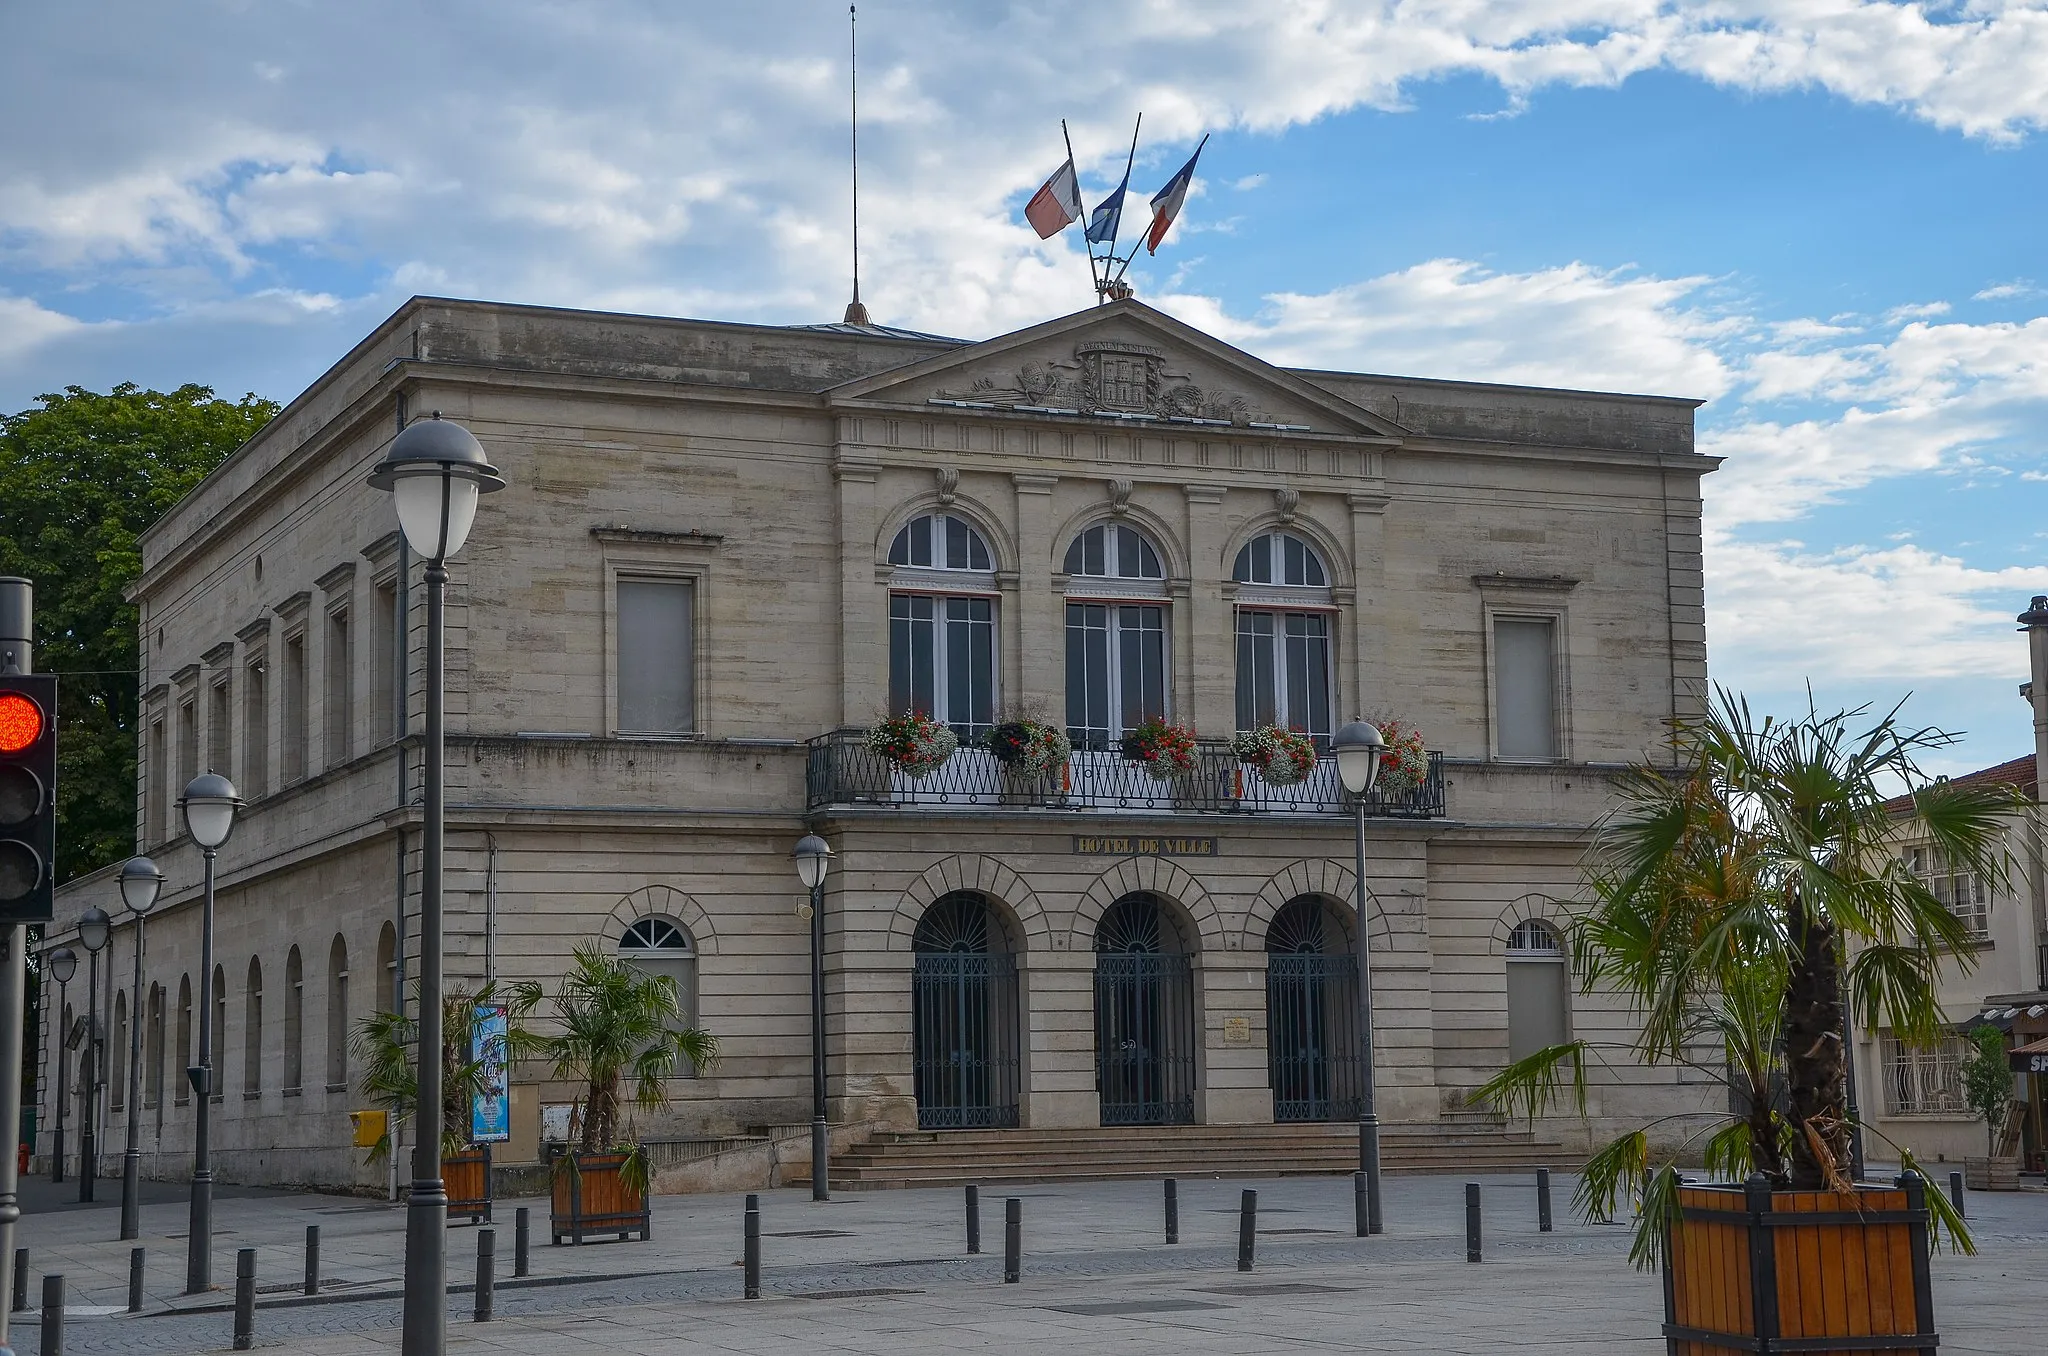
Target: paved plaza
(888, 1272)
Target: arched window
(252, 1031)
(1284, 608)
(153, 1051)
(117, 1080)
(220, 1033)
(294, 1021)
(942, 624)
(1117, 652)
(1538, 995)
(337, 1015)
(662, 946)
(184, 1085)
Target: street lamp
(209, 805)
(63, 965)
(435, 470)
(140, 882)
(1358, 747)
(93, 930)
(813, 860)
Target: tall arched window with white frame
(662, 946)
(942, 624)
(1284, 622)
(1117, 650)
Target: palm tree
(1724, 900)
(617, 1022)
(386, 1045)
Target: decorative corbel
(949, 483)
(1119, 497)
(1288, 501)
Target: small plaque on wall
(1145, 845)
(1237, 1031)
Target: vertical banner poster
(490, 1114)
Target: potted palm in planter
(1987, 1086)
(1726, 898)
(386, 1046)
(621, 1034)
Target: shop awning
(2031, 1057)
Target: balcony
(843, 772)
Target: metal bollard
(753, 1247)
(19, 1304)
(1471, 1221)
(135, 1265)
(1361, 1203)
(486, 1273)
(312, 1259)
(1543, 1200)
(1247, 1228)
(1955, 1193)
(245, 1298)
(52, 1343)
(973, 1218)
(522, 1226)
(1013, 1240)
(1172, 1211)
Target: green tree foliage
(387, 1048)
(1988, 1079)
(81, 476)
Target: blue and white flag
(1102, 226)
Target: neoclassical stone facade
(727, 549)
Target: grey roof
(880, 332)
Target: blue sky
(1825, 220)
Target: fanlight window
(1280, 558)
(1535, 939)
(939, 541)
(1113, 551)
(654, 934)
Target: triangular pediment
(1124, 361)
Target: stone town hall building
(726, 548)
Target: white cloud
(1249, 182)
(2018, 287)
(25, 326)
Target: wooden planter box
(1999, 1173)
(593, 1200)
(1841, 1274)
(467, 1179)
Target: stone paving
(887, 1272)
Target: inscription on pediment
(1115, 378)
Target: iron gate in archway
(1312, 1046)
(963, 1019)
(1144, 1018)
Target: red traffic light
(21, 722)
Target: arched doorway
(1312, 1045)
(963, 1016)
(662, 946)
(1538, 990)
(1144, 1015)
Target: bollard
(486, 1273)
(19, 1304)
(1471, 1221)
(312, 1259)
(1361, 1203)
(1172, 1211)
(753, 1247)
(522, 1225)
(52, 1343)
(1543, 1200)
(1955, 1193)
(1013, 1240)
(245, 1298)
(973, 1218)
(135, 1280)
(1247, 1228)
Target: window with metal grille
(1924, 1080)
(1960, 891)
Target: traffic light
(28, 797)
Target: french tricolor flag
(1166, 202)
(1057, 203)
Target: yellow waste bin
(369, 1127)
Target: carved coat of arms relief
(1111, 377)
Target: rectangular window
(942, 660)
(1283, 671)
(188, 743)
(255, 731)
(1116, 670)
(294, 708)
(1960, 891)
(1525, 687)
(156, 808)
(384, 652)
(1924, 1081)
(218, 729)
(339, 716)
(657, 649)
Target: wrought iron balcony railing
(843, 771)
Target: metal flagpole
(1102, 289)
(1094, 279)
(856, 314)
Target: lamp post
(209, 805)
(813, 860)
(63, 965)
(140, 882)
(94, 928)
(434, 470)
(1358, 747)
